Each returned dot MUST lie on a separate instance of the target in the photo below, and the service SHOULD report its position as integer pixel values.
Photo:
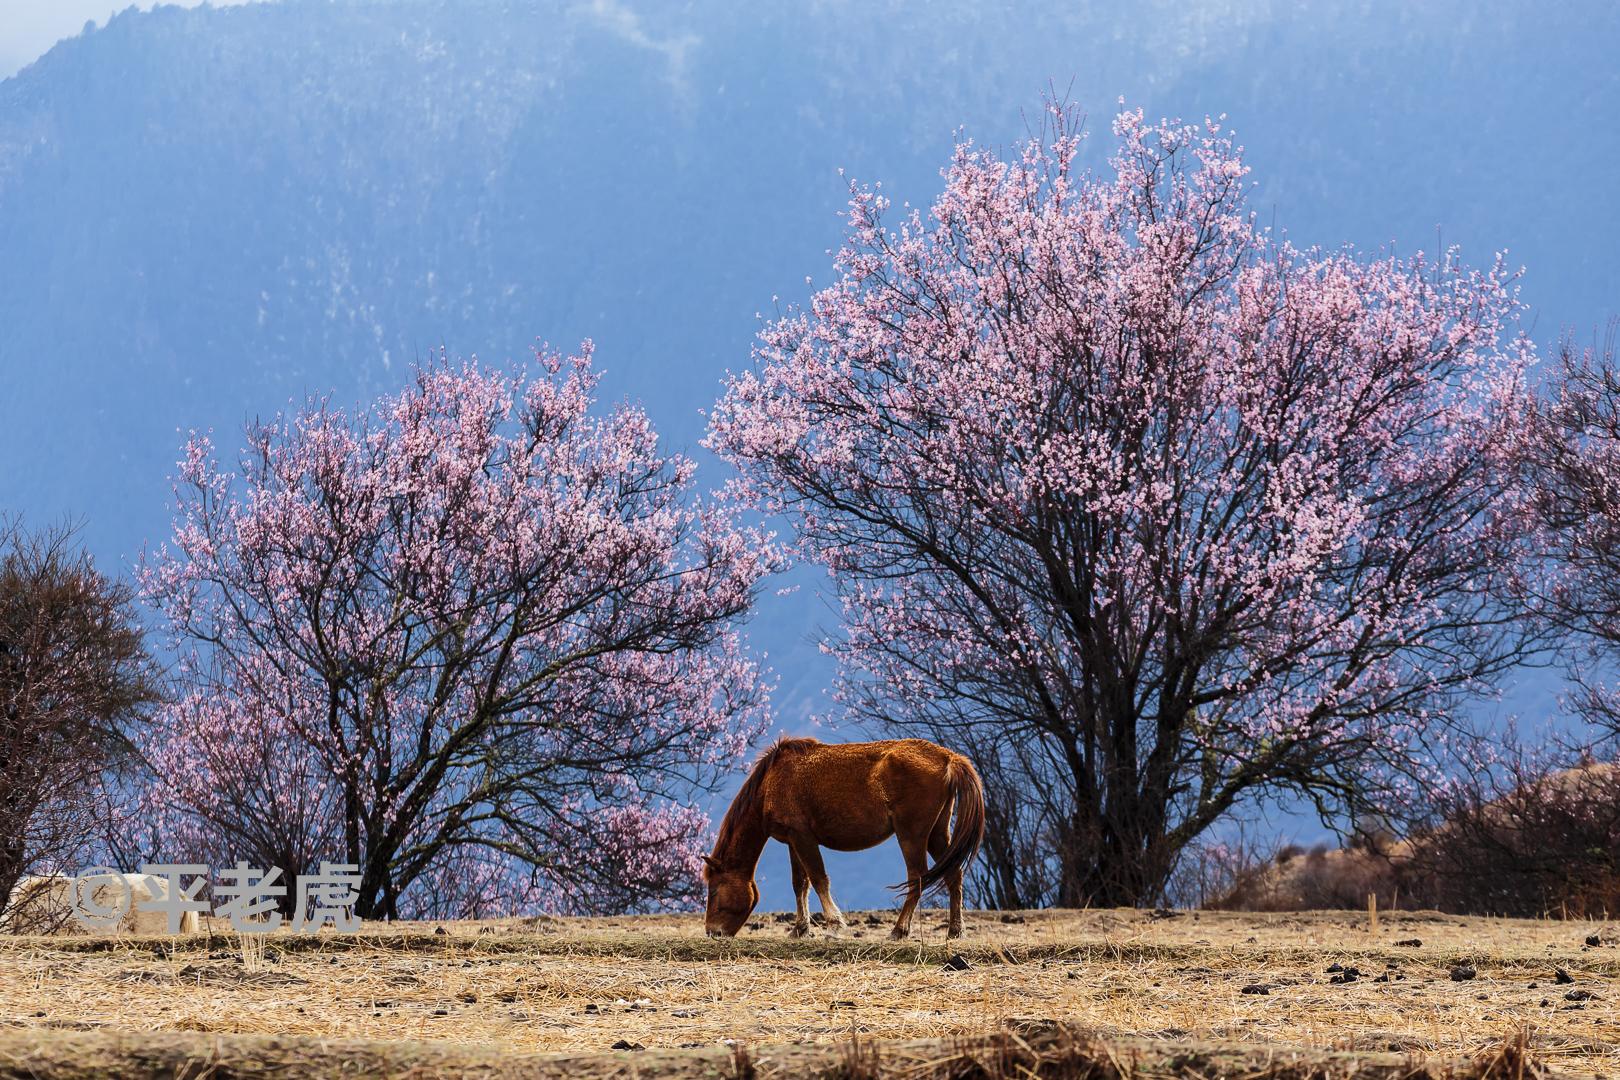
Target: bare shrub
(74, 677)
(1528, 841)
(1208, 872)
(1535, 843)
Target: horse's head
(732, 896)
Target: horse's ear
(711, 862)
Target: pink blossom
(476, 638)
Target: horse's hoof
(897, 934)
(953, 933)
(799, 930)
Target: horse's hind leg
(938, 841)
(801, 895)
(810, 855)
(915, 850)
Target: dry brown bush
(1545, 844)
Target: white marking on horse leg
(829, 910)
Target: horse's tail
(967, 791)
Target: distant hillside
(206, 212)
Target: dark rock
(1256, 988)
(1332, 968)
(1562, 977)
(1580, 995)
(436, 1012)
(1462, 973)
(843, 1005)
(440, 930)
(956, 963)
(469, 998)
(1410, 943)
(1594, 939)
(1010, 917)
(506, 996)
(1164, 913)
(625, 1044)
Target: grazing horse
(847, 797)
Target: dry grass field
(1096, 993)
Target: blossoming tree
(478, 640)
(1152, 512)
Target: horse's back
(881, 762)
(848, 795)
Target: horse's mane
(749, 798)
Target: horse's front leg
(801, 895)
(810, 855)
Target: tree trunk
(11, 868)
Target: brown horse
(847, 797)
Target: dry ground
(483, 998)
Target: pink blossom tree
(1154, 513)
(477, 639)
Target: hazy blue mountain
(205, 213)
